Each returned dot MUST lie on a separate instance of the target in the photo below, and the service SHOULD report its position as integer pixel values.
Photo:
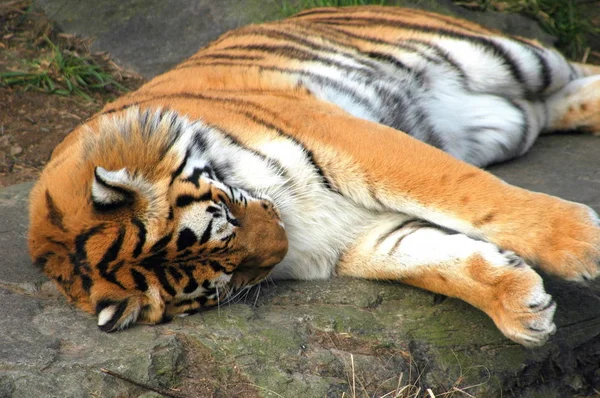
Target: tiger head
(134, 226)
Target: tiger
(337, 142)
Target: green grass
(563, 19)
(62, 72)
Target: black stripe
(186, 200)
(141, 235)
(161, 243)
(540, 54)
(207, 233)
(410, 12)
(216, 266)
(358, 98)
(394, 229)
(111, 255)
(164, 281)
(86, 283)
(192, 284)
(175, 274)
(439, 52)
(79, 257)
(194, 178)
(101, 181)
(400, 239)
(369, 76)
(140, 280)
(228, 57)
(183, 303)
(179, 169)
(184, 255)
(201, 301)
(54, 214)
(222, 198)
(57, 242)
(155, 260)
(41, 260)
(186, 239)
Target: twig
(353, 376)
(15, 6)
(157, 390)
(586, 54)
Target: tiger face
(160, 237)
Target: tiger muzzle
(264, 241)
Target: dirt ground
(33, 122)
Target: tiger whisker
(257, 294)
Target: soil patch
(33, 122)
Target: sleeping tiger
(341, 141)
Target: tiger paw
(118, 313)
(522, 310)
(572, 247)
(575, 106)
(562, 238)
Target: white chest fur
(320, 223)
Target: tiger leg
(576, 106)
(494, 129)
(409, 177)
(420, 254)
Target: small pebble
(16, 150)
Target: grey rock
(151, 36)
(15, 267)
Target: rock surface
(294, 339)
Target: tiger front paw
(572, 245)
(562, 238)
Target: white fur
(103, 194)
(106, 315)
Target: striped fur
(337, 141)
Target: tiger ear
(112, 190)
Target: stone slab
(14, 261)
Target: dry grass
(39, 58)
